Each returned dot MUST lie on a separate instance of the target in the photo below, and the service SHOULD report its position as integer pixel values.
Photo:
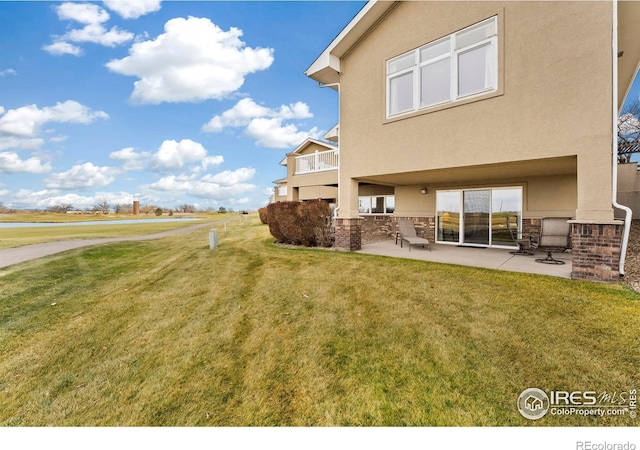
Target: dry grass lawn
(171, 333)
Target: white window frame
(453, 55)
(369, 209)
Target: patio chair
(408, 234)
(554, 236)
(520, 242)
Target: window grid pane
(401, 93)
(475, 70)
(435, 83)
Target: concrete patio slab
(490, 258)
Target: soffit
(518, 170)
(628, 44)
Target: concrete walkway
(490, 258)
(10, 256)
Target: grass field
(172, 333)
(18, 236)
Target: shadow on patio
(490, 258)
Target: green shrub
(300, 223)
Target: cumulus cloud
(62, 48)
(202, 188)
(7, 72)
(11, 162)
(228, 177)
(26, 121)
(193, 60)
(132, 160)
(14, 142)
(82, 176)
(93, 18)
(132, 9)
(266, 125)
(174, 155)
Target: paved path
(10, 256)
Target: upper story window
(454, 67)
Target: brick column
(348, 234)
(596, 250)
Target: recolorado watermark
(588, 445)
(534, 403)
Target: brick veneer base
(383, 227)
(348, 234)
(596, 251)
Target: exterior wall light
(423, 190)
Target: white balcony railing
(317, 162)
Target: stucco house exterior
(469, 117)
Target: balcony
(317, 162)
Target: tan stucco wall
(552, 196)
(629, 188)
(315, 192)
(554, 100)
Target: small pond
(97, 222)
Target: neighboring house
(463, 115)
(312, 172)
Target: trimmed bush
(262, 212)
(300, 223)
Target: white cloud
(264, 124)
(11, 162)
(62, 48)
(7, 72)
(82, 176)
(246, 109)
(26, 121)
(175, 155)
(273, 134)
(203, 188)
(14, 142)
(228, 177)
(85, 13)
(97, 34)
(193, 60)
(132, 9)
(92, 17)
(132, 160)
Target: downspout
(320, 85)
(614, 144)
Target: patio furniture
(520, 242)
(408, 234)
(554, 235)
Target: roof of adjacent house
(305, 144)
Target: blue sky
(162, 102)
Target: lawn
(18, 236)
(172, 333)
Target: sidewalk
(15, 255)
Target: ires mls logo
(533, 403)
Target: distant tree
(148, 209)
(222, 210)
(158, 211)
(185, 208)
(61, 208)
(629, 132)
(123, 208)
(102, 206)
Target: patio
(490, 258)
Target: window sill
(442, 106)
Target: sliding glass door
(476, 206)
(481, 217)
